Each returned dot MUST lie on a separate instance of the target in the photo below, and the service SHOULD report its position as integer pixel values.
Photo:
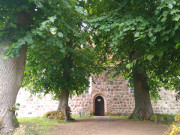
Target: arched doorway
(99, 106)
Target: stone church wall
(31, 106)
(118, 99)
(168, 104)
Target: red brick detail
(93, 102)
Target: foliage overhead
(149, 29)
(56, 43)
(12, 28)
(60, 57)
(143, 35)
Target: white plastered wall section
(31, 106)
(168, 104)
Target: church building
(103, 97)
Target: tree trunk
(63, 104)
(11, 77)
(64, 95)
(143, 108)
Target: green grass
(135, 119)
(87, 116)
(29, 131)
(38, 124)
(166, 115)
(120, 117)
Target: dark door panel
(99, 106)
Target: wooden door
(99, 106)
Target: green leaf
(153, 38)
(150, 34)
(39, 33)
(81, 41)
(60, 34)
(177, 46)
(28, 38)
(79, 9)
(136, 34)
(149, 57)
(18, 44)
(18, 104)
(163, 19)
(63, 50)
(102, 27)
(67, 39)
(177, 17)
(128, 66)
(59, 44)
(5, 47)
(52, 18)
(107, 30)
(160, 53)
(32, 46)
(170, 5)
(165, 38)
(13, 25)
(53, 30)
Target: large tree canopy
(60, 61)
(52, 31)
(143, 40)
(57, 48)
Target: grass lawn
(37, 125)
(40, 125)
(166, 115)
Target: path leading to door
(102, 125)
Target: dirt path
(106, 126)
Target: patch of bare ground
(107, 126)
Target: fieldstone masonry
(118, 100)
(31, 106)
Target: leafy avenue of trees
(141, 37)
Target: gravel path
(101, 125)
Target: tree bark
(64, 95)
(143, 108)
(11, 77)
(63, 104)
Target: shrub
(153, 118)
(175, 127)
(58, 115)
(177, 118)
(160, 119)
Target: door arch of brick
(93, 103)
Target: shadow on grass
(37, 125)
